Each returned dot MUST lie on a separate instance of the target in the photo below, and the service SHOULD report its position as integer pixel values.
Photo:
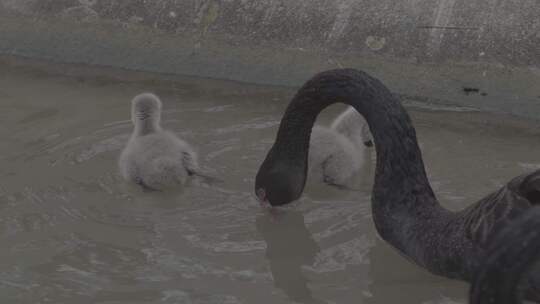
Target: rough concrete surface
(479, 53)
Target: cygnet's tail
(165, 172)
(206, 177)
(352, 125)
(512, 255)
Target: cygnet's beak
(368, 143)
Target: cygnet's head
(353, 125)
(146, 112)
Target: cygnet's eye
(261, 194)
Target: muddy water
(71, 231)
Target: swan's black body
(500, 277)
(405, 210)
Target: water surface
(71, 231)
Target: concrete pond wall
(473, 53)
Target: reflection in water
(390, 278)
(397, 280)
(289, 247)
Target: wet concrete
(430, 49)
(442, 30)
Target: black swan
(405, 210)
(155, 158)
(499, 280)
(338, 153)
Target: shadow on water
(289, 247)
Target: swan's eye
(261, 194)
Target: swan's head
(279, 183)
(146, 110)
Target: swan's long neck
(401, 184)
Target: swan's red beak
(261, 197)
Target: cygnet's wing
(483, 219)
(330, 181)
(144, 186)
(189, 159)
(193, 168)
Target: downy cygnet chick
(337, 153)
(155, 158)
